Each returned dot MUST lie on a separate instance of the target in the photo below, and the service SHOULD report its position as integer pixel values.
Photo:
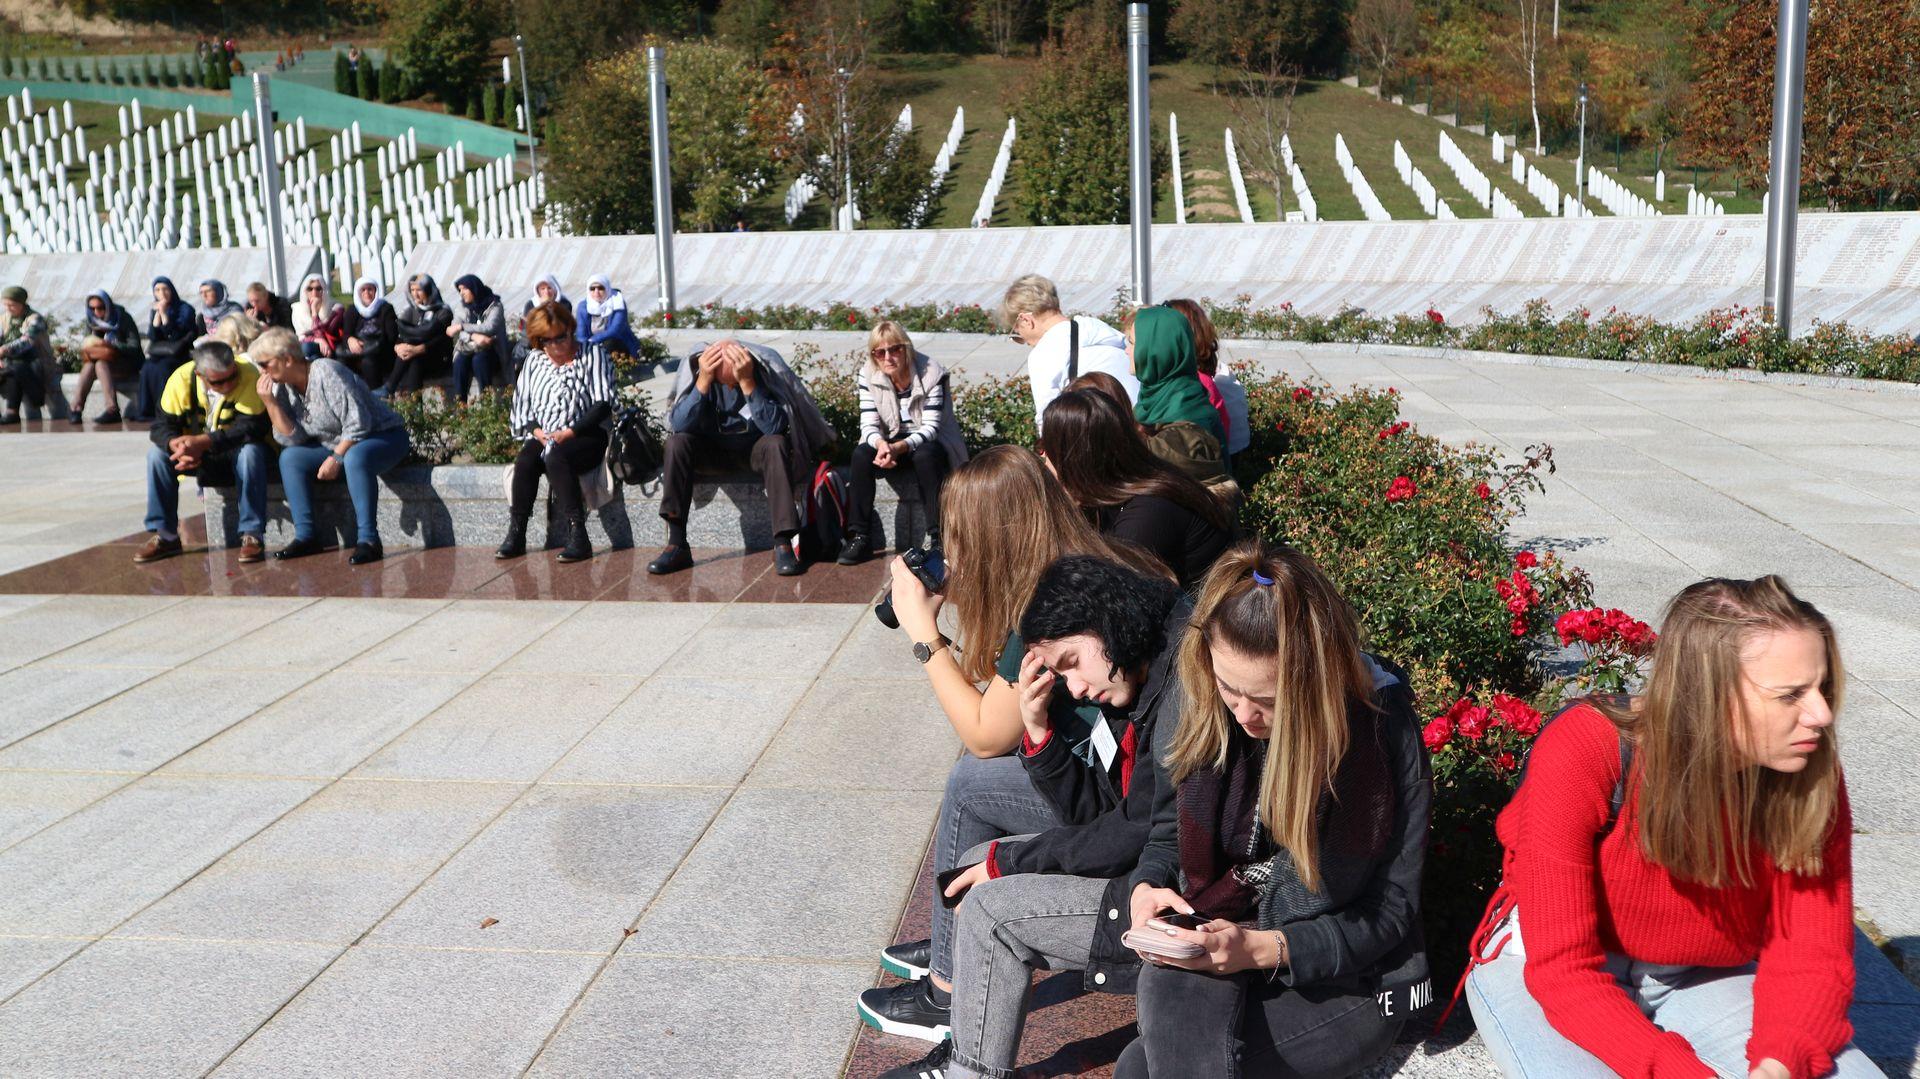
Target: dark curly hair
(1082, 594)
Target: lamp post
(1139, 154)
(846, 145)
(526, 105)
(662, 172)
(1580, 173)
(269, 182)
(1783, 180)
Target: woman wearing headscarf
(26, 355)
(110, 353)
(421, 340)
(268, 307)
(316, 318)
(479, 333)
(214, 305)
(172, 326)
(602, 318)
(545, 291)
(1161, 343)
(368, 333)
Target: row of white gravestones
(799, 193)
(1302, 194)
(1410, 174)
(1499, 148)
(943, 161)
(1614, 195)
(1239, 181)
(1179, 179)
(1537, 184)
(983, 213)
(1363, 191)
(1703, 205)
(1465, 171)
(1504, 208)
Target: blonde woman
(1656, 943)
(1294, 826)
(906, 424)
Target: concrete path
(374, 836)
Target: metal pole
(1580, 172)
(269, 183)
(1139, 154)
(526, 105)
(662, 172)
(1783, 182)
(846, 149)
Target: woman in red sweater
(1656, 944)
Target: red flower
(1436, 317)
(852, 318)
(1483, 490)
(1526, 560)
(1437, 732)
(1392, 430)
(1473, 723)
(1302, 393)
(1505, 762)
(667, 315)
(1518, 626)
(1515, 714)
(1401, 489)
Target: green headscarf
(1170, 388)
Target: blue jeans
(249, 475)
(1712, 1007)
(471, 367)
(986, 799)
(365, 461)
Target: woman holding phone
(1292, 833)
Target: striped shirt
(932, 410)
(552, 397)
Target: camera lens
(884, 611)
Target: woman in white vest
(906, 423)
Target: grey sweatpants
(1008, 928)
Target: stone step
(466, 506)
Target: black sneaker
(909, 960)
(908, 1010)
(855, 549)
(932, 1066)
(785, 562)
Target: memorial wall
(57, 284)
(1860, 268)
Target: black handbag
(633, 455)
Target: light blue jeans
(250, 464)
(365, 461)
(1712, 1007)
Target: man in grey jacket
(736, 406)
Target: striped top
(552, 397)
(930, 415)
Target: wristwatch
(923, 651)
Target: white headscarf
(326, 298)
(370, 309)
(559, 294)
(613, 302)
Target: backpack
(633, 456)
(823, 516)
(1619, 796)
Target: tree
(489, 106)
(752, 26)
(1070, 166)
(999, 23)
(563, 35)
(1860, 128)
(368, 88)
(342, 74)
(391, 80)
(1383, 31)
(1308, 34)
(1526, 45)
(442, 42)
(724, 115)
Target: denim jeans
(471, 367)
(250, 463)
(1712, 1007)
(1247, 1024)
(365, 461)
(986, 799)
(1007, 929)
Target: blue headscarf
(483, 296)
(110, 325)
(177, 310)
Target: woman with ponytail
(1683, 865)
(1294, 826)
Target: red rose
(1518, 626)
(1302, 393)
(1515, 714)
(1483, 490)
(1517, 606)
(852, 318)
(1526, 560)
(1436, 317)
(1401, 489)
(1505, 762)
(1436, 733)
(1473, 723)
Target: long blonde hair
(1303, 622)
(1704, 807)
(1004, 519)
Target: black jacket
(1187, 543)
(1366, 935)
(417, 328)
(384, 333)
(170, 341)
(1109, 844)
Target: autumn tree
(1382, 32)
(1307, 34)
(1528, 46)
(1860, 126)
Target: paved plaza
(439, 817)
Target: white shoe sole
(905, 1030)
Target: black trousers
(562, 467)
(24, 382)
(1248, 1025)
(930, 467)
(766, 455)
(409, 375)
(374, 366)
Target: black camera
(928, 564)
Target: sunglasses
(313, 288)
(596, 288)
(231, 377)
(889, 350)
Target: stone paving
(293, 823)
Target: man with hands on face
(735, 406)
(210, 424)
(1058, 899)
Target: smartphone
(1155, 942)
(1177, 920)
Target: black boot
(577, 548)
(515, 544)
(855, 549)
